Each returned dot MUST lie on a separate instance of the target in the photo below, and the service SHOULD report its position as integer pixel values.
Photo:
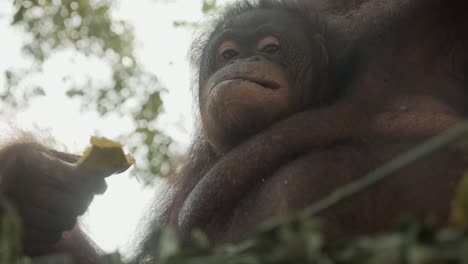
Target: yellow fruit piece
(459, 213)
(105, 156)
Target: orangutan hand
(47, 189)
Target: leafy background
(88, 28)
(127, 92)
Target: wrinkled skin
(404, 80)
(255, 69)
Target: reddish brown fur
(409, 82)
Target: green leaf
(208, 6)
(459, 213)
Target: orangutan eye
(229, 54)
(271, 48)
(228, 50)
(269, 44)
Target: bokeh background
(71, 69)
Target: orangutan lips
(264, 83)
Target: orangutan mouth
(268, 84)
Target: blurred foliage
(287, 239)
(298, 239)
(10, 232)
(460, 204)
(208, 7)
(87, 27)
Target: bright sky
(113, 217)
